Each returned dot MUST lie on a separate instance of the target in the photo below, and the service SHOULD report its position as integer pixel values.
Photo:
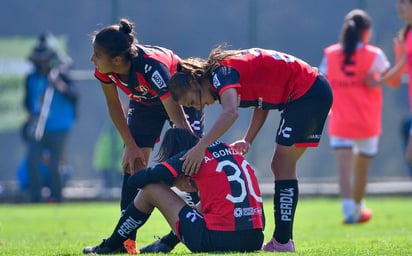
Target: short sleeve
(381, 63)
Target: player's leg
(166, 243)
(34, 153)
(362, 163)
(360, 179)
(364, 151)
(342, 149)
(136, 215)
(286, 190)
(146, 124)
(162, 197)
(55, 143)
(301, 126)
(128, 193)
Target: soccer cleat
(101, 249)
(274, 246)
(364, 216)
(130, 246)
(156, 247)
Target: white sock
(357, 211)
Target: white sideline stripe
(305, 188)
(399, 187)
(82, 74)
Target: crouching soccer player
(229, 216)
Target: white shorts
(367, 146)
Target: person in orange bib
(354, 124)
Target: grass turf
(47, 229)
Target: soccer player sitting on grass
(229, 216)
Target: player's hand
(192, 160)
(241, 146)
(133, 160)
(371, 81)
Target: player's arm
(165, 172)
(132, 151)
(158, 76)
(194, 157)
(258, 119)
(393, 76)
(176, 113)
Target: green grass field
(65, 229)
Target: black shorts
(302, 120)
(146, 122)
(193, 233)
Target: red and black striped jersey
(148, 76)
(228, 189)
(263, 78)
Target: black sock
(127, 197)
(170, 239)
(128, 193)
(131, 220)
(285, 201)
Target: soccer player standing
(263, 80)
(141, 72)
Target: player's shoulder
(333, 48)
(373, 48)
(148, 50)
(157, 57)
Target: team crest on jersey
(158, 80)
(216, 82)
(143, 89)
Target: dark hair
(355, 23)
(43, 53)
(175, 141)
(188, 70)
(197, 69)
(118, 40)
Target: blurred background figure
(355, 120)
(50, 101)
(22, 174)
(403, 50)
(107, 156)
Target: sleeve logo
(216, 82)
(158, 80)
